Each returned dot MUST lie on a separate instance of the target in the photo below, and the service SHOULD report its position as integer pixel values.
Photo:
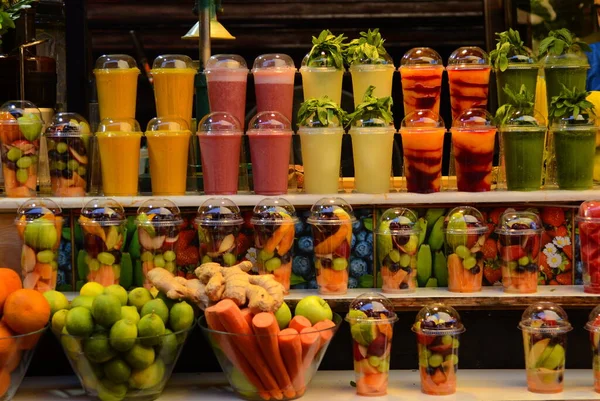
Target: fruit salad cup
(378, 72)
(226, 78)
(371, 317)
(519, 237)
(438, 328)
(397, 238)
(545, 326)
(593, 326)
(21, 126)
(588, 220)
(331, 220)
(469, 77)
(39, 224)
(103, 223)
(274, 220)
(219, 221)
(421, 70)
(274, 83)
(67, 139)
(116, 82)
(158, 222)
(464, 229)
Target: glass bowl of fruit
(593, 326)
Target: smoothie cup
(523, 139)
(422, 134)
(521, 70)
(39, 225)
(173, 77)
(378, 72)
(371, 318)
(593, 326)
(588, 220)
(219, 221)
(158, 224)
(519, 236)
(438, 329)
(21, 126)
(220, 137)
(270, 137)
(119, 147)
(273, 221)
(421, 70)
(397, 239)
(469, 77)
(331, 221)
(568, 69)
(116, 82)
(67, 140)
(168, 144)
(464, 233)
(473, 141)
(274, 83)
(545, 326)
(103, 223)
(227, 76)
(321, 78)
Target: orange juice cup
(545, 326)
(593, 326)
(226, 77)
(274, 83)
(421, 71)
(331, 220)
(422, 134)
(219, 221)
(469, 77)
(119, 146)
(464, 229)
(371, 318)
(173, 77)
(274, 220)
(438, 328)
(116, 82)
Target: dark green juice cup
(575, 144)
(569, 69)
(521, 71)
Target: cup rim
(372, 320)
(189, 329)
(17, 336)
(439, 332)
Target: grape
(435, 360)
(463, 251)
(62, 147)
(469, 263)
(14, 154)
(22, 175)
(81, 171)
(272, 264)
(159, 261)
(72, 165)
(24, 162)
(340, 264)
(523, 261)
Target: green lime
(57, 301)
(169, 302)
(130, 313)
(91, 289)
(117, 370)
(168, 347)
(106, 310)
(109, 391)
(150, 327)
(59, 320)
(79, 322)
(83, 300)
(97, 348)
(148, 377)
(123, 335)
(157, 306)
(181, 316)
(138, 297)
(140, 356)
(117, 291)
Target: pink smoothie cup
(226, 76)
(274, 83)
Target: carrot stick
(231, 317)
(299, 323)
(311, 340)
(291, 352)
(266, 330)
(247, 316)
(325, 330)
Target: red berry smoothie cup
(588, 220)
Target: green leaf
(329, 45)
(571, 102)
(372, 108)
(323, 111)
(367, 48)
(561, 41)
(294, 280)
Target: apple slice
(28, 259)
(81, 159)
(227, 243)
(150, 243)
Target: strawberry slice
(512, 252)
(343, 251)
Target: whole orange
(26, 311)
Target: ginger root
(178, 288)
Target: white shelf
(473, 385)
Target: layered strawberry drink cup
(588, 220)
(219, 221)
(464, 229)
(371, 317)
(331, 220)
(274, 220)
(438, 328)
(519, 236)
(593, 326)
(397, 239)
(421, 70)
(545, 326)
(469, 77)
(227, 76)
(274, 83)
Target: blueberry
(286, 258)
(403, 286)
(352, 282)
(302, 266)
(53, 155)
(408, 270)
(394, 267)
(301, 286)
(66, 173)
(532, 268)
(356, 226)
(475, 270)
(63, 259)
(358, 267)
(299, 227)
(305, 244)
(430, 371)
(326, 263)
(370, 238)
(60, 277)
(353, 242)
(363, 249)
(361, 236)
(312, 285)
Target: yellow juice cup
(173, 86)
(322, 81)
(378, 75)
(116, 82)
(372, 149)
(321, 153)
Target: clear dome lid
(167, 124)
(464, 218)
(520, 119)
(545, 317)
(330, 211)
(118, 125)
(398, 220)
(313, 122)
(438, 319)
(519, 223)
(67, 125)
(521, 59)
(221, 123)
(474, 120)
(112, 61)
(24, 115)
(38, 208)
(219, 212)
(268, 121)
(422, 120)
(102, 211)
(158, 213)
(226, 62)
(577, 59)
(580, 122)
(593, 323)
(468, 56)
(421, 57)
(382, 61)
(172, 61)
(373, 120)
(371, 306)
(273, 210)
(273, 61)
(321, 59)
(589, 211)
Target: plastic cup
(21, 126)
(378, 72)
(274, 83)
(331, 221)
(473, 142)
(116, 82)
(469, 77)
(545, 326)
(159, 222)
(119, 146)
(227, 76)
(371, 318)
(397, 239)
(588, 220)
(521, 70)
(39, 225)
(464, 232)
(103, 223)
(274, 220)
(423, 148)
(219, 221)
(421, 70)
(520, 236)
(173, 77)
(593, 326)
(270, 137)
(567, 69)
(321, 78)
(438, 329)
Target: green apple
(40, 234)
(314, 308)
(283, 316)
(30, 126)
(242, 385)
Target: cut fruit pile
(274, 246)
(589, 235)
